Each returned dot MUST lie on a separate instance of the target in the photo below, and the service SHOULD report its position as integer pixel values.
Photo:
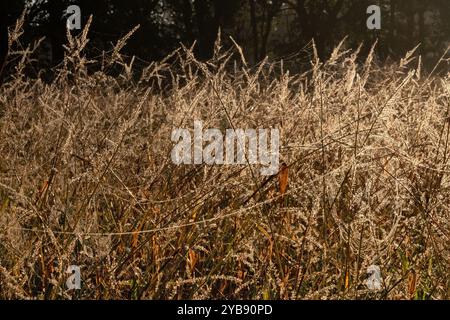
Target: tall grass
(86, 179)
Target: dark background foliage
(273, 28)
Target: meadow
(86, 178)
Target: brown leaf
(283, 178)
(347, 279)
(135, 239)
(193, 258)
(412, 284)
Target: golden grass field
(86, 179)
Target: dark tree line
(263, 27)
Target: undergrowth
(86, 179)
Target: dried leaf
(283, 178)
(412, 284)
(135, 239)
(347, 279)
(192, 259)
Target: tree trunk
(202, 15)
(272, 12)
(57, 29)
(187, 19)
(254, 25)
